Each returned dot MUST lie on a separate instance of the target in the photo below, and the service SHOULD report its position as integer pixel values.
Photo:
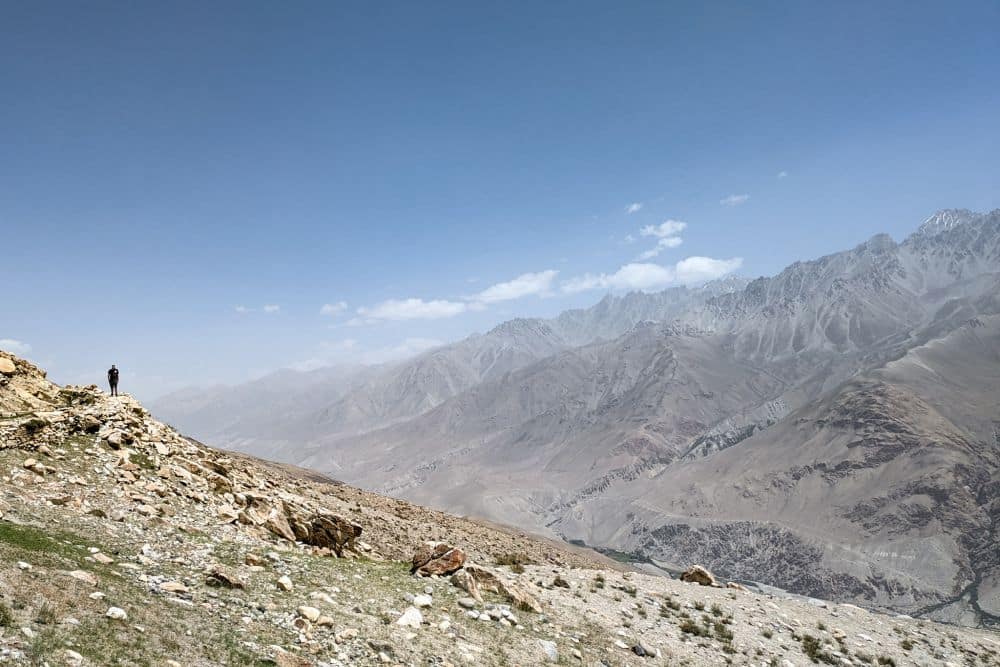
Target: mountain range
(833, 430)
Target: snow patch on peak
(945, 220)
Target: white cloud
(16, 347)
(701, 269)
(646, 276)
(410, 309)
(734, 200)
(666, 235)
(631, 276)
(782, 174)
(524, 285)
(629, 238)
(634, 207)
(664, 229)
(269, 308)
(333, 309)
(661, 245)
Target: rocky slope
(125, 543)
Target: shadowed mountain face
(834, 430)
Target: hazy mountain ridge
(351, 400)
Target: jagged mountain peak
(521, 326)
(946, 219)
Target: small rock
(411, 618)
(284, 583)
(116, 614)
(467, 603)
(549, 649)
(422, 601)
(642, 648)
(311, 613)
(84, 576)
(173, 587)
(345, 635)
(220, 575)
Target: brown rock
(277, 523)
(220, 575)
(464, 580)
(487, 580)
(84, 576)
(89, 424)
(286, 659)
(437, 558)
(698, 575)
(7, 366)
(332, 532)
(173, 587)
(220, 484)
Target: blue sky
(185, 186)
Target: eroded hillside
(125, 543)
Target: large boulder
(7, 366)
(90, 424)
(696, 574)
(488, 580)
(332, 532)
(260, 512)
(464, 580)
(437, 558)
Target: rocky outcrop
(437, 558)
(332, 532)
(698, 575)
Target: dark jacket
(113, 375)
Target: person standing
(113, 379)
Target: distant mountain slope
(886, 490)
(757, 428)
(578, 441)
(306, 406)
